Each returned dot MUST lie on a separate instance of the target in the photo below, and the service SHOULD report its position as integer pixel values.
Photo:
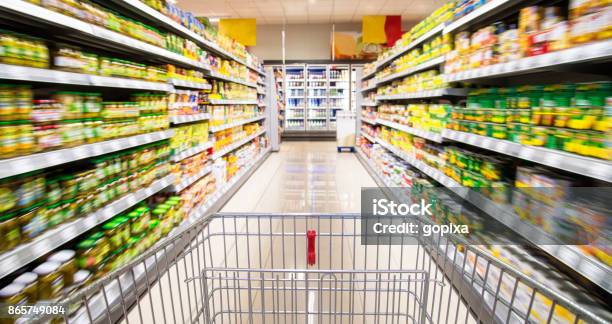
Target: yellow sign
(373, 29)
(241, 30)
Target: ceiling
(310, 11)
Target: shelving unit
(158, 18)
(33, 162)
(591, 167)
(96, 39)
(577, 265)
(138, 280)
(83, 30)
(22, 255)
(596, 52)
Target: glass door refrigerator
(295, 88)
(317, 98)
(339, 91)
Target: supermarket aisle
(304, 177)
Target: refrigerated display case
(315, 93)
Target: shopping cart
(312, 268)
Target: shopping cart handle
(312, 257)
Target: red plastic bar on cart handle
(312, 257)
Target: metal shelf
(233, 101)
(591, 167)
(217, 75)
(32, 162)
(588, 267)
(487, 10)
(190, 84)
(426, 65)
(237, 123)
(369, 166)
(368, 121)
(188, 118)
(24, 73)
(191, 152)
(154, 15)
(368, 75)
(414, 131)
(599, 51)
(426, 94)
(436, 30)
(186, 182)
(370, 138)
(23, 254)
(369, 104)
(204, 208)
(236, 145)
(372, 87)
(100, 34)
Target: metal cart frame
(252, 268)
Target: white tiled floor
(304, 177)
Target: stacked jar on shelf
(227, 137)
(540, 30)
(185, 103)
(68, 119)
(438, 17)
(188, 136)
(190, 166)
(428, 80)
(568, 117)
(227, 114)
(233, 91)
(437, 47)
(38, 201)
(231, 164)
(97, 252)
(427, 117)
